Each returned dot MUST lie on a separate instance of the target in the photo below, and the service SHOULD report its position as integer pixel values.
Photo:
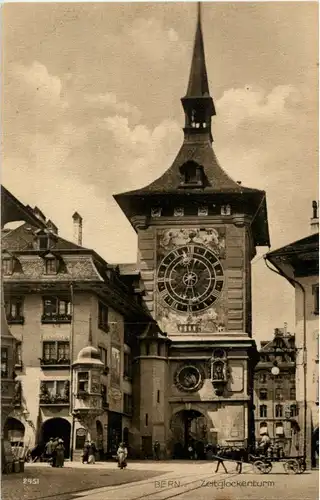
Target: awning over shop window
(263, 430)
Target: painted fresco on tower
(191, 280)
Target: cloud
(153, 40)
(256, 105)
(109, 101)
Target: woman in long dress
(122, 454)
(60, 449)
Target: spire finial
(90, 331)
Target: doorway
(57, 428)
(14, 431)
(189, 429)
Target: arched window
(279, 410)
(263, 394)
(263, 411)
(192, 174)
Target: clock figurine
(190, 278)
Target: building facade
(299, 264)
(197, 233)
(61, 298)
(275, 402)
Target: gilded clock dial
(190, 278)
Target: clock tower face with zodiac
(190, 278)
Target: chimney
(77, 228)
(285, 328)
(52, 227)
(315, 217)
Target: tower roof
(198, 80)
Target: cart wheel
(292, 466)
(259, 467)
(267, 467)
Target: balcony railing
(54, 362)
(54, 399)
(15, 320)
(56, 318)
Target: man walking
(156, 449)
(220, 461)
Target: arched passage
(14, 431)
(189, 429)
(57, 428)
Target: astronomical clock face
(190, 278)
(188, 378)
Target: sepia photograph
(160, 250)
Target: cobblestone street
(156, 481)
(44, 482)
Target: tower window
(192, 174)
(147, 419)
(158, 396)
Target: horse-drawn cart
(292, 465)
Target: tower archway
(189, 429)
(56, 428)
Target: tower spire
(198, 80)
(197, 103)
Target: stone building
(298, 262)
(197, 233)
(275, 403)
(64, 304)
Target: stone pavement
(197, 481)
(148, 480)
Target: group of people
(89, 453)
(54, 452)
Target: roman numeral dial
(190, 278)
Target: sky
(91, 107)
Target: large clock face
(190, 278)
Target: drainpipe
(71, 372)
(292, 280)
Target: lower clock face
(190, 278)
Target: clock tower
(197, 233)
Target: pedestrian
(122, 454)
(85, 453)
(60, 449)
(92, 453)
(220, 461)
(54, 454)
(190, 451)
(156, 449)
(48, 450)
(264, 444)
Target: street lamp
(275, 372)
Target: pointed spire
(90, 331)
(198, 80)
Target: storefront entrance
(189, 430)
(114, 432)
